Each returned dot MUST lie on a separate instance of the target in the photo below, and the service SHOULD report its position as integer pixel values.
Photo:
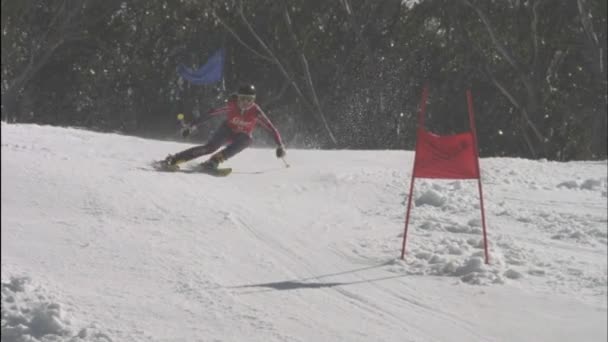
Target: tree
(38, 30)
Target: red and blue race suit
(244, 121)
(235, 131)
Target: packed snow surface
(96, 246)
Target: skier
(242, 115)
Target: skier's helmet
(245, 96)
(246, 89)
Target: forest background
(341, 74)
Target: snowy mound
(97, 246)
(29, 315)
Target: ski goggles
(246, 98)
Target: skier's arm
(198, 119)
(265, 122)
(211, 113)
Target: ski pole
(285, 162)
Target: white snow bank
(29, 314)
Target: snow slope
(97, 247)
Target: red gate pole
(476, 148)
(407, 215)
(425, 92)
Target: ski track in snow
(95, 247)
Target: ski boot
(211, 166)
(169, 164)
(213, 163)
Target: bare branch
(585, 22)
(531, 84)
(534, 29)
(528, 142)
(236, 36)
(589, 32)
(346, 5)
(556, 61)
(517, 105)
(306, 67)
(499, 46)
(282, 69)
(275, 98)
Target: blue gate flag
(209, 73)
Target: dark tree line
(331, 74)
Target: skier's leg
(219, 137)
(239, 142)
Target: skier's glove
(187, 130)
(280, 152)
